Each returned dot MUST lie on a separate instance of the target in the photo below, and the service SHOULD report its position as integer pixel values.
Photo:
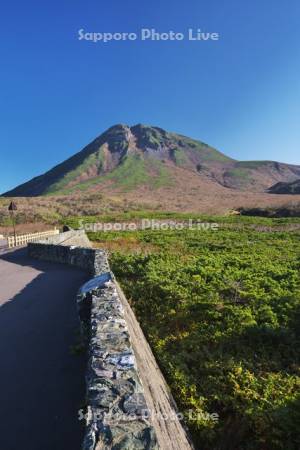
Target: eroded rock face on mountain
(126, 158)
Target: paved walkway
(41, 381)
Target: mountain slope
(286, 188)
(127, 158)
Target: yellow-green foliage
(222, 313)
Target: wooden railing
(23, 239)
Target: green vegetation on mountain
(95, 160)
(180, 157)
(133, 172)
(252, 164)
(206, 152)
(238, 175)
(136, 171)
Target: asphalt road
(41, 381)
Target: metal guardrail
(23, 239)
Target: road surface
(41, 381)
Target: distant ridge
(286, 188)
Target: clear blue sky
(240, 94)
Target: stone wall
(72, 248)
(117, 416)
(71, 237)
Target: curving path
(41, 381)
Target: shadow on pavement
(42, 382)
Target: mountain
(144, 157)
(286, 188)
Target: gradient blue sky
(240, 94)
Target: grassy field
(221, 310)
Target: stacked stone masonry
(117, 417)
